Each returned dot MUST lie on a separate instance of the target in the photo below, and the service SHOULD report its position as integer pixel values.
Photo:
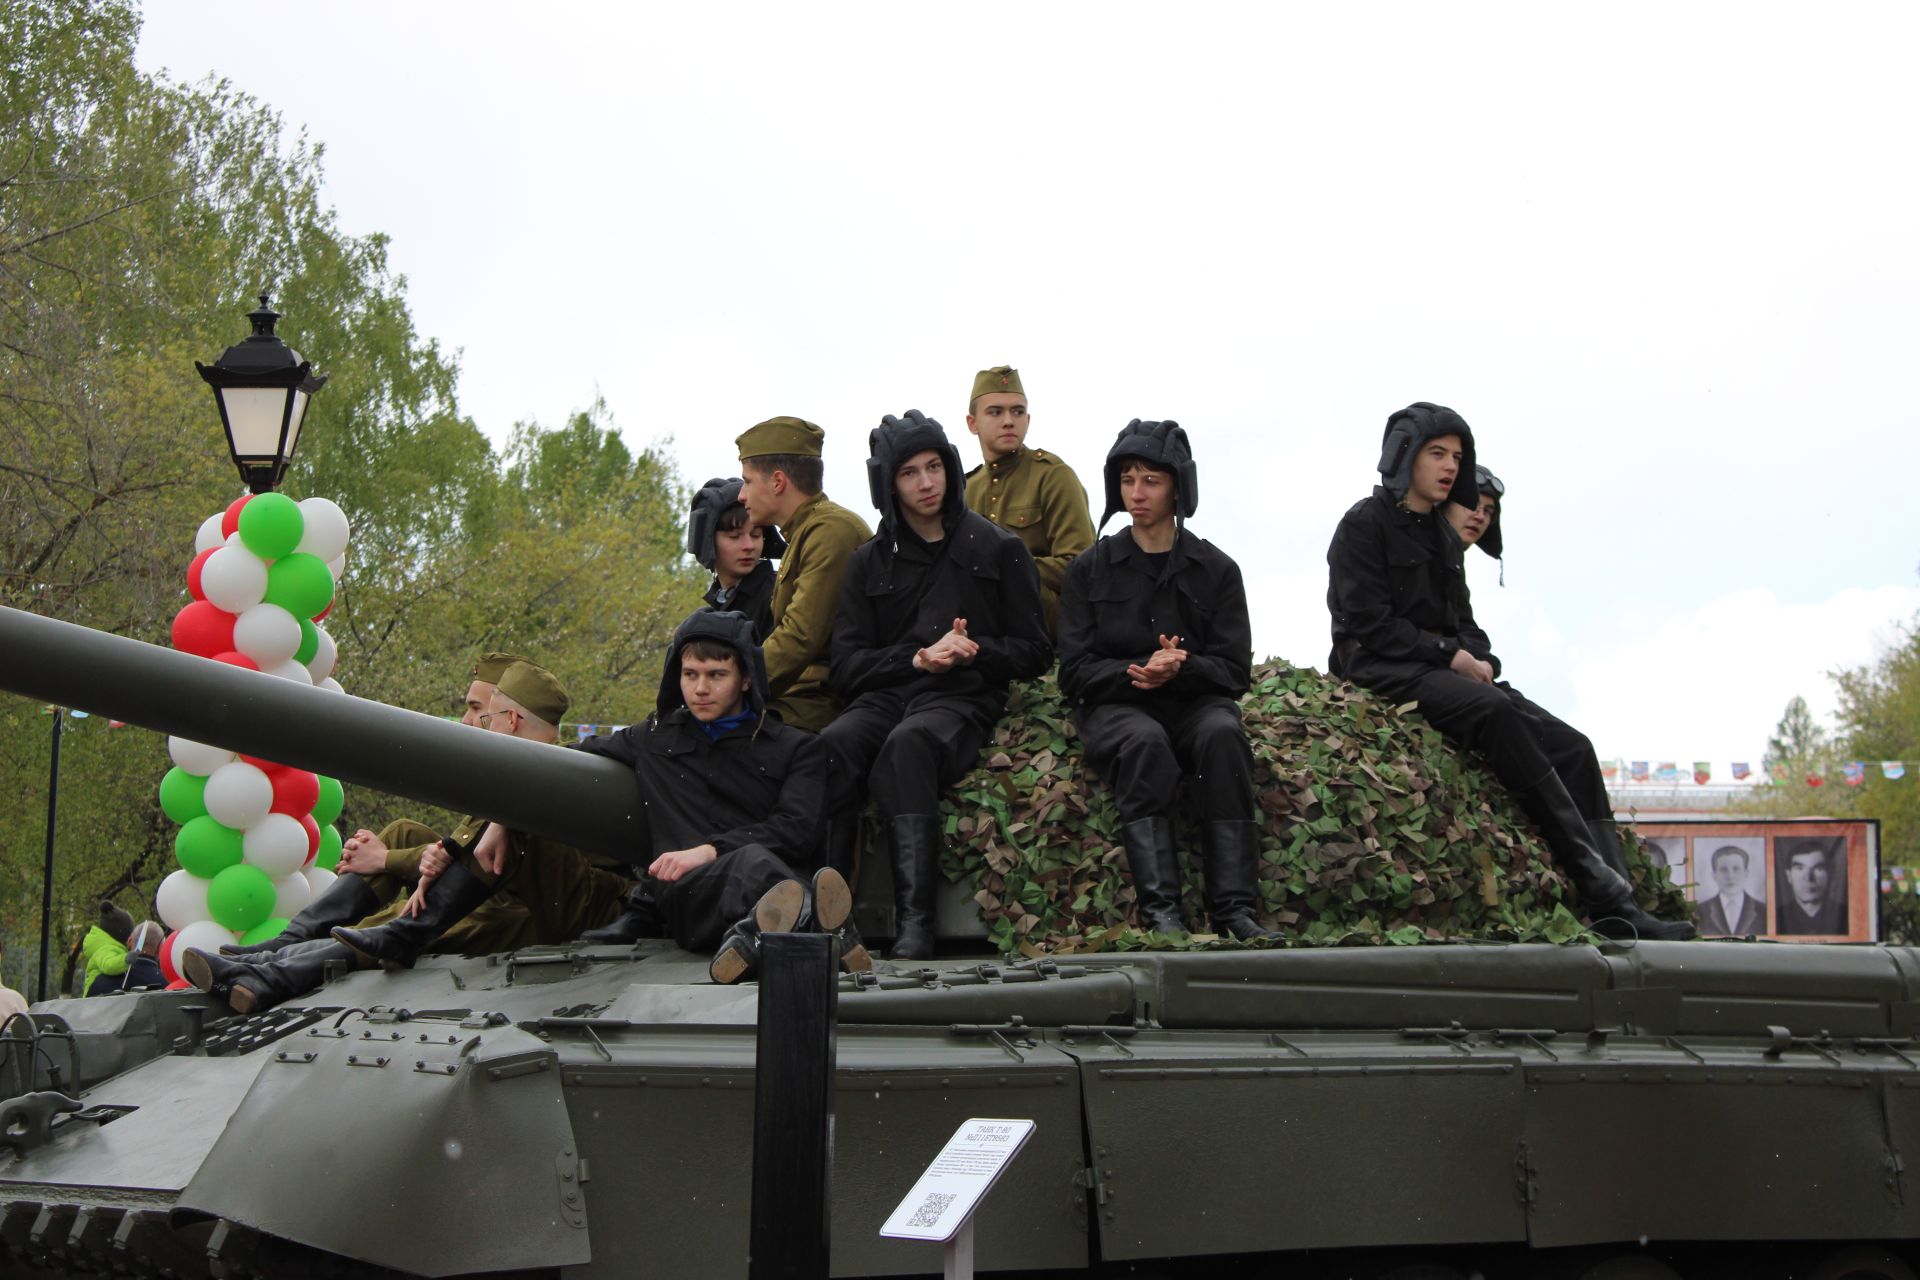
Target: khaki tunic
(1036, 497)
(562, 893)
(501, 923)
(806, 599)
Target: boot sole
(832, 899)
(856, 960)
(779, 908)
(195, 969)
(728, 967)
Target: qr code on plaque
(929, 1213)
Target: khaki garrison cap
(489, 666)
(1000, 378)
(781, 435)
(537, 689)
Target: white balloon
(326, 533)
(290, 670)
(268, 634)
(320, 878)
(336, 567)
(291, 894)
(234, 578)
(197, 758)
(238, 795)
(276, 844)
(330, 685)
(202, 935)
(209, 535)
(321, 665)
(181, 899)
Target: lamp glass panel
(294, 420)
(253, 416)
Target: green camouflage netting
(1375, 830)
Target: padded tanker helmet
(1411, 428)
(1164, 445)
(1490, 486)
(897, 439)
(710, 502)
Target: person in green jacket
(105, 951)
(781, 472)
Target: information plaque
(944, 1198)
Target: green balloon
(241, 897)
(300, 583)
(183, 795)
(271, 525)
(309, 641)
(333, 798)
(329, 856)
(205, 848)
(265, 931)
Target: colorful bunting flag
(1815, 780)
(1637, 770)
(1668, 771)
(1893, 769)
(1886, 886)
(1740, 771)
(1780, 775)
(1899, 873)
(1702, 772)
(1610, 771)
(1855, 772)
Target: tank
(1665, 1109)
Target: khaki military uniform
(1037, 498)
(562, 893)
(806, 599)
(502, 923)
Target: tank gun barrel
(585, 801)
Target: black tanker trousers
(1521, 741)
(1142, 749)
(699, 906)
(905, 751)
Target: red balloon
(324, 612)
(230, 522)
(265, 766)
(204, 629)
(179, 984)
(295, 791)
(167, 970)
(193, 574)
(313, 833)
(233, 659)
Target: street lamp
(263, 388)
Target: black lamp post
(263, 388)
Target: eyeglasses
(486, 717)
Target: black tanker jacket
(1116, 605)
(902, 594)
(753, 597)
(1397, 590)
(761, 782)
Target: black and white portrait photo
(1810, 885)
(1670, 852)
(1731, 875)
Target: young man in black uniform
(737, 553)
(1155, 651)
(1403, 626)
(939, 611)
(733, 800)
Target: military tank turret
(1432, 1110)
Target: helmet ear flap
(1186, 473)
(879, 484)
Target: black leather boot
(1156, 873)
(778, 911)
(1605, 893)
(915, 853)
(347, 899)
(640, 920)
(399, 942)
(830, 910)
(251, 988)
(1232, 852)
(1606, 838)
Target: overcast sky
(1662, 258)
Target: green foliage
(1375, 830)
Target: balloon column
(256, 839)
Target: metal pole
(46, 870)
(958, 1255)
(793, 1107)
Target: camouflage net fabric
(1375, 830)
